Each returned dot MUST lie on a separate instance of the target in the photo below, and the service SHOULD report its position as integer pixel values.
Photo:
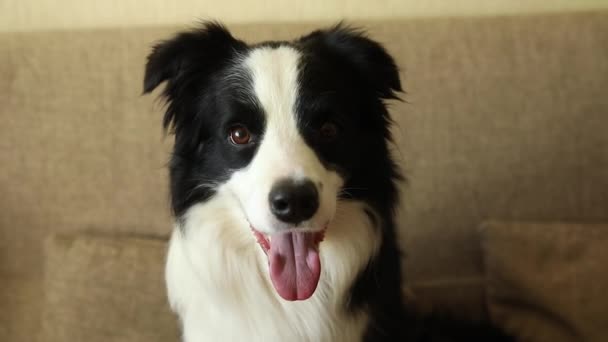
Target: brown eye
(239, 135)
(329, 131)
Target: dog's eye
(329, 131)
(239, 135)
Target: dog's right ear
(199, 50)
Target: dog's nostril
(280, 204)
(294, 201)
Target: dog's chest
(251, 323)
(253, 311)
(222, 291)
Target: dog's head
(289, 128)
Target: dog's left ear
(367, 57)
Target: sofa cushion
(548, 282)
(110, 288)
(106, 289)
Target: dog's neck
(218, 281)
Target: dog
(283, 190)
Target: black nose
(294, 201)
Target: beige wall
(24, 15)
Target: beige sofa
(506, 121)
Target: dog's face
(288, 128)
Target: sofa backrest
(504, 118)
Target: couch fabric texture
(100, 288)
(505, 118)
(547, 281)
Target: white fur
(218, 280)
(217, 275)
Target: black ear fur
(200, 48)
(190, 58)
(366, 56)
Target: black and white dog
(283, 189)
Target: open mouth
(293, 261)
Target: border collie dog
(283, 189)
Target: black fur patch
(205, 97)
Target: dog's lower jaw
(218, 281)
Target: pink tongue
(294, 265)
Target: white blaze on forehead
(274, 73)
(282, 152)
